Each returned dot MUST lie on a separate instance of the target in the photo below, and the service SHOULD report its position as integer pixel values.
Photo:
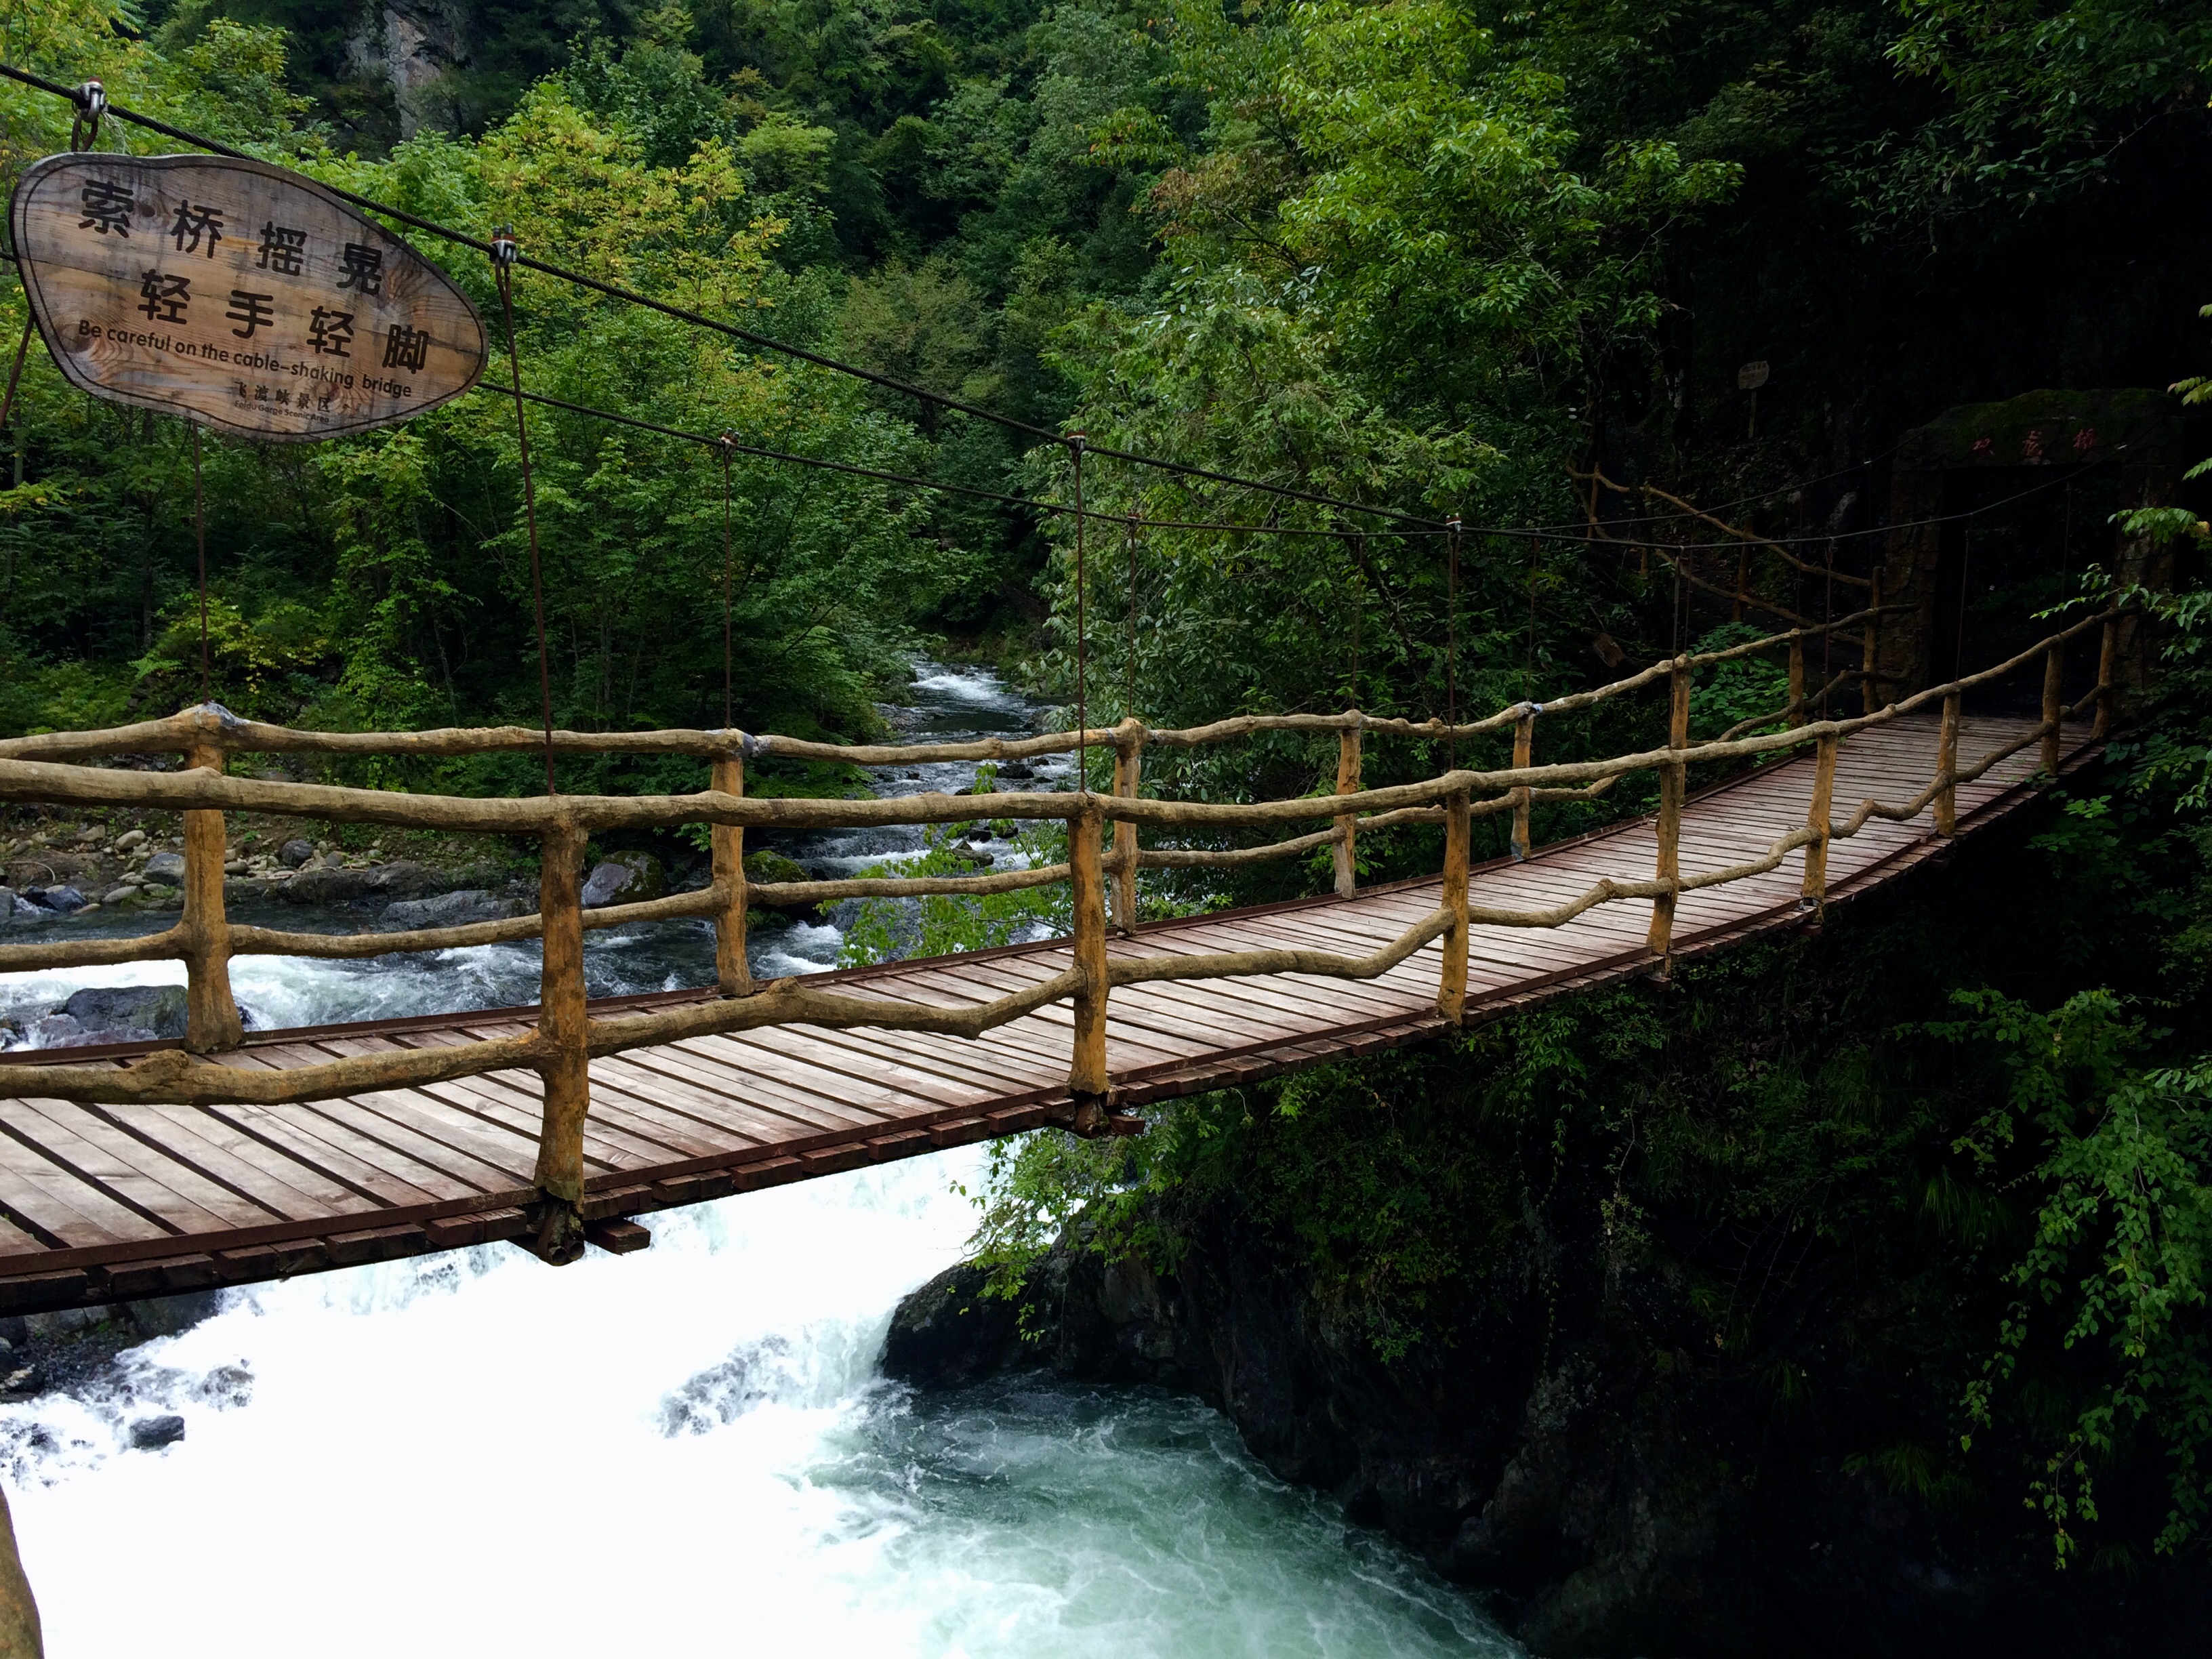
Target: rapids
(682, 1452)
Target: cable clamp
(91, 101)
(505, 250)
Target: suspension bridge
(231, 1157)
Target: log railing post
(1870, 649)
(564, 1070)
(1797, 683)
(733, 974)
(1086, 1075)
(211, 1018)
(1674, 779)
(1128, 768)
(2054, 704)
(1524, 743)
(1344, 854)
(2108, 660)
(1814, 891)
(1946, 767)
(1451, 987)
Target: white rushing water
(687, 1451)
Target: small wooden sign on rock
(237, 293)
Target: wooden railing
(49, 768)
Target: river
(684, 1452)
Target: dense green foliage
(1433, 257)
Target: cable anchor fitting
(505, 250)
(91, 101)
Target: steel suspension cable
(199, 536)
(1082, 721)
(1130, 708)
(1451, 648)
(78, 96)
(727, 723)
(503, 250)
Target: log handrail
(567, 1036)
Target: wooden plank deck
(99, 1203)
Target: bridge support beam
(1947, 769)
(1674, 780)
(565, 1072)
(1451, 989)
(733, 975)
(1128, 764)
(1814, 891)
(211, 1017)
(2054, 705)
(1524, 743)
(1087, 1077)
(1344, 854)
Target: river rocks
(405, 880)
(16, 911)
(156, 1010)
(120, 894)
(770, 867)
(1566, 1447)
(152, 1433)
(624, 878)
(295, 853)
(61, 901)
(166, 868)
(454, 909)
(128, 840)
(949, 1333)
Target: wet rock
(166, 1316)
(166, 868)
(775, 867)
(158, 1010)
(454, 909)
(61, 1322)
(62, 901)
(119, 895)
(16, 911)
(403, 879)
(949, 1333)
(55, 1031)
(24, 1379)
(1017, 768)
(295, 853)
(625, 878)
(152, 1433)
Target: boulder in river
(403, 879)
(62, 901)
(108, 1011)
(775, 867)
(450, 910)
(152, 1433)
(16, 911)
(624, 878)
(167, 868)
(295, 853)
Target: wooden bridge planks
(102, 1202)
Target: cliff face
(1612, 1492)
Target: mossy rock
(766, 867)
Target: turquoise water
(684, 1452)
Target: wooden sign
(1751, 376)
(237, 293)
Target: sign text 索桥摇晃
(237, 293)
